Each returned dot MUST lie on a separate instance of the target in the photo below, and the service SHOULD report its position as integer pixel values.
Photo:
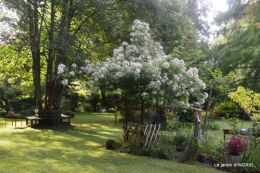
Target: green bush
(217, 151)
(211, 126)
(180, 140)
(252, 156)
(27, 112)
(208, 145)
(229, 109)
(162, 150)
(186, 115)
(111, 144)
(186, 125)
(172, 124)
(65, 104)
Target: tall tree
(242, 54)
(172, 24)
(56, 32)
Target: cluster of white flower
(61, 68)
(144, 63)
(166, 65)
(74, 65)
(63, 72)
(65, 82)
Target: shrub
(211, 126)
(186, 115)
(229, 109)
(65, 104)
(186, 125)
(172, 124)
(217, 151)
(252, 156)
(180, 140)
(27, 112)
(111, 144)
(215, 112)
(162, 150)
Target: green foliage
(233, 123)
(172, 124)
(205, 145)
(27, 112)
(211, 125)
(162, 150)
(248, 101)
(60, 36)
(65, 104)
(102, 30)
(227, 106)
(16, 67)
(186, 115)
(252, 156)
(181, 138)
(216, 73)
(217, 151)
(111, 144)
(171, 25)
(229, 109)
(92, 100)
(242, 54)
(208, 145)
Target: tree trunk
(49, 94)
(35, 50)
(103, 96)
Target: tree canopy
(54, 32)
(142, 67)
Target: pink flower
(236, 145)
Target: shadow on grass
(76, 148)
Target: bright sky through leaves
(217, 6)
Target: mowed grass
(78, 148)
(218, 134)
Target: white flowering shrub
(142, 66)
(65, 73)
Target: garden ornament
(196, 106)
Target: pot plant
(234, 147)
(233, 125)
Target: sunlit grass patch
(77, 148)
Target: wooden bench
(62, 117)
(34, 120)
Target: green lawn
(77, 148)
(218, 134)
